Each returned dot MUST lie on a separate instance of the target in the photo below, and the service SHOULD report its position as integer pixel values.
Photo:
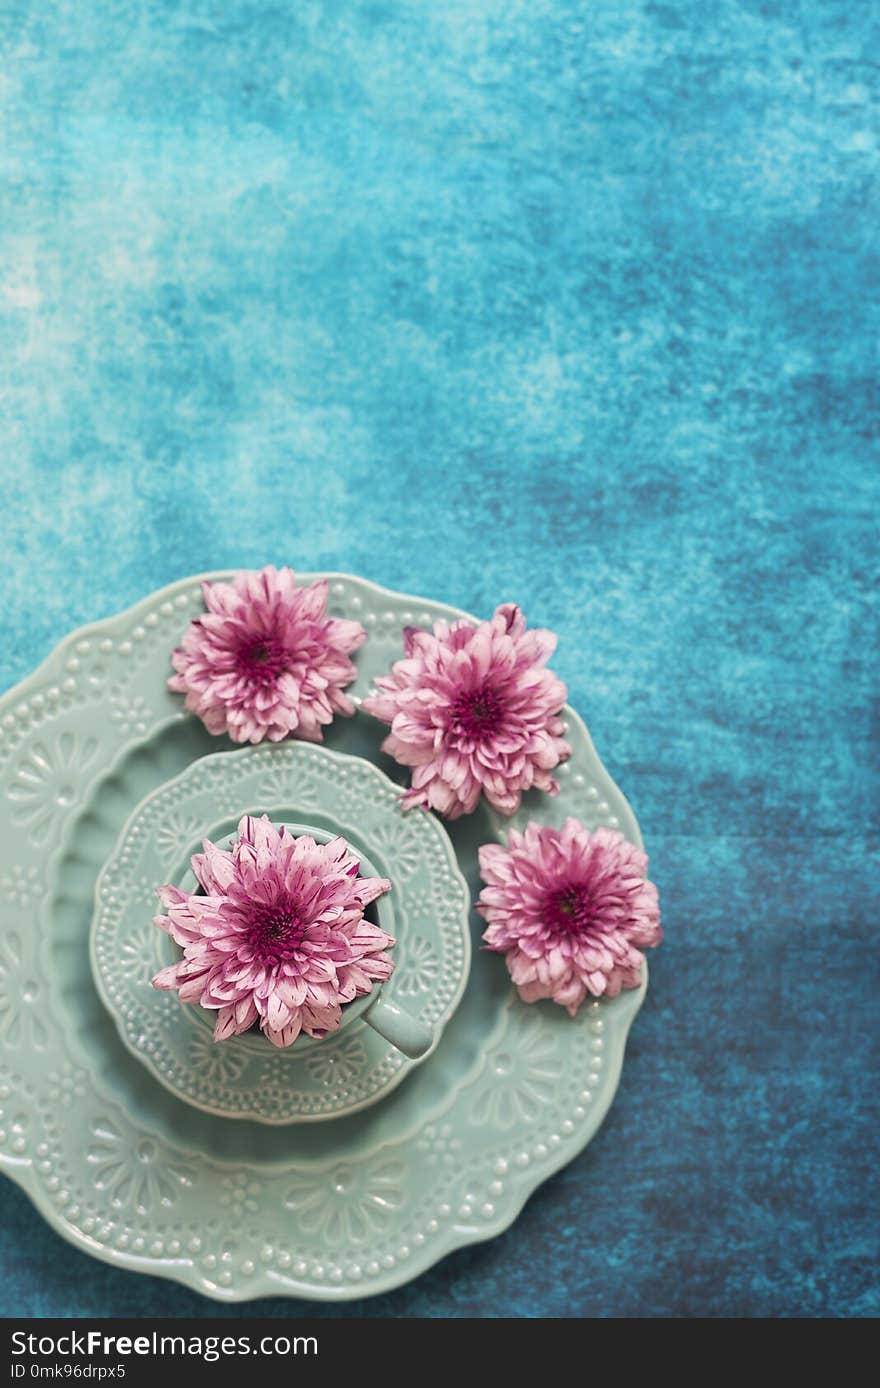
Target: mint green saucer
(426, 912)
(236, 1208)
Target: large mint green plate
(234, 1208)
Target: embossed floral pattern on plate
(141, 1175)
(348, 1204)
(44, 786)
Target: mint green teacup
(325, 793)
(409, 1034)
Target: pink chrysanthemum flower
(473, 710)
(279, 936)
(265, 661)
(569, 909)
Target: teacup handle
(401, 1028)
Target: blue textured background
(567, 301)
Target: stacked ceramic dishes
(334, 1168)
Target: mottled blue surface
(567, 302)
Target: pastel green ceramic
(313, 790)
(237, 1209)
(422, 1038)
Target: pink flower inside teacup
(278, 935)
